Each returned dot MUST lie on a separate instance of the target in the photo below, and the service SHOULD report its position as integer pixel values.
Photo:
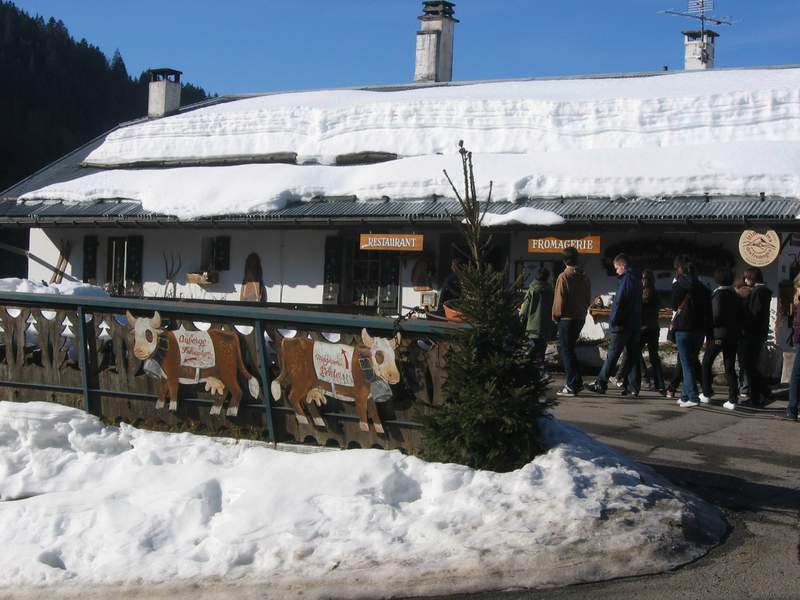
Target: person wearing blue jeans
(692, 322)
(571, 300)
(689, 344)
(626, 327)
(568, 332)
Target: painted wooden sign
(553, 245)
(391, 241)
(759, 249)
(196, 349)
(361, 374)
(334, 363)
(190, 357)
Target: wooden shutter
(134, 257)
(333, 270)
(90, 245)
(221, 253)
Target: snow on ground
(65, 288)
(89, 510)
(719, 132)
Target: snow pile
(683, 134)
(65, 288)
(88, 506)
(191, 192)
(522, 216)
(518, 117)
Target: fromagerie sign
(391, 241)
(553, 245)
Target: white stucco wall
(45, 245)
(292, 261)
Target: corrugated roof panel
(439, 210)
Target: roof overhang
(705, 212)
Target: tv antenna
(700, 10)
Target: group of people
(730, 320)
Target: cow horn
(155, 322)
(365, 337)
(131, 318)
(396, 340)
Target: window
(375, 280)
(124, 265)
(216, 253)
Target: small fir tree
(492, 401)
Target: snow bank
(517, 117)
(65, 288)
(683, 134)
(191, 192)
(93, 510)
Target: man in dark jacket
(626, 328)
(692, 322)
(537, 318)
(726, 309)
(571, 300)
(756, 331)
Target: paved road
(746, 462)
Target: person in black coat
(650, 333)
(726, 309)
(756, 330)
(691, 323)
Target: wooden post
(86, 362)
(263, 367)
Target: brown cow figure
(353, 374)
(190, 357)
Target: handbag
(681, 307)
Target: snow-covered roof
(718, 132)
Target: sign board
(196, 349)
(334, 363)
(553, 245)
(759, 249)
(391, 241)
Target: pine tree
(492, 401)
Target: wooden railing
(83, 351)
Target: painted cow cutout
(190, 357)
(361, 374)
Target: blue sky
(262, 45)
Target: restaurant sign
(391, 241)
(553, 245)
(759, 248)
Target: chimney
(164, 96)
(700, 49)
(435, 42)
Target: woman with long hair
(691, 301)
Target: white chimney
(435, 42)
(700, 49)
(164, 96)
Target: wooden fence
(348, 381)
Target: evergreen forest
(58, 93)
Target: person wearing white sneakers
(691, 302)
(727, 314)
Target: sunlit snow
(103, 509)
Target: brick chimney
(164, 96)
(435, 42)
